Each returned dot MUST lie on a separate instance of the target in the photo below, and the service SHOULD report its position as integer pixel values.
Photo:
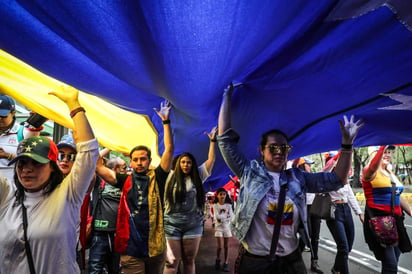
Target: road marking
(408, 225)
(363, 259)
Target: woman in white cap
(383, 192)
(39, 213)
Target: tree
(403, 163)
(360, 159)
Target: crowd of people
(61, 199)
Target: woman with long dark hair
(183, 214)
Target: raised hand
(212, 134)
(164, 111)
(67, 94)
(82, 130)
(350, 129)
(231, 87)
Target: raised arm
(349, 130)
(103, 171)
(104, 152)
(82, 128)
(369, 172)
(225, 118)
(167, 156)
(211, 156)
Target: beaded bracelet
(76, 110)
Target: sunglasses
(274, 148)
(70, 157)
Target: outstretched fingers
(212, 134)
(164, 111)
(350, 128)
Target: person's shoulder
(255, 164)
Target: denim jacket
(255, 182)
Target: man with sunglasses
(261, 184)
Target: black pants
(102, 258)
(291, 264)
(314, 231)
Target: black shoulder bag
(26, 241)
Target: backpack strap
(20, 135)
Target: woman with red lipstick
(67, 154)
(183, 214)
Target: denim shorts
(183, 230)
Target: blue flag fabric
(303, 64)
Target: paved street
(206, 258)
(359, 263)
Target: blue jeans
(343, 232)
(390, 259)
(101, 254)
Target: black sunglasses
(274, 148)
(70, 157)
